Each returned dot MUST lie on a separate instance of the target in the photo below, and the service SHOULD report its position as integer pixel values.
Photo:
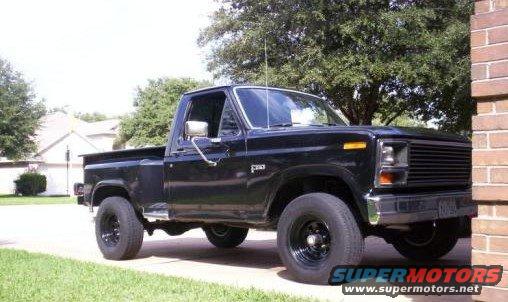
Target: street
(68, 231)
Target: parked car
(242, 157)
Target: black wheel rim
(220, 230)
(110, 230)
(309, 240)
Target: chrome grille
(439, 163)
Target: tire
(335, 237)
(428, 241)
(225, 236)
(118, 231)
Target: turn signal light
(386, 178)
(355, 145)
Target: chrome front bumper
(389, 209)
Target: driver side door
(198, 190)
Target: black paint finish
(176, 181)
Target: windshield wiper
(292, 124)
(282, 125)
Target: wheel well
(311, 184)
(108, 191)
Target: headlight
(387, 155)
(392, 163)
(393, 154)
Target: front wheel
(315, 233)
(224, 236)
(428, 240)
(118, 231)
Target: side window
(207, 108)
(228, 125)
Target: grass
(25, 200)
(28, 276)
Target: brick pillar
(489, 73)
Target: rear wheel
(225, 236)
(315, 233)
(428, 240)
(118, 231)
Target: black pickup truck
(240, 157)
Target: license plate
(447, 208)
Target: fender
(287, 175)
(118, 183)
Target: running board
(157, 212)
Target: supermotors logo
(421, 280)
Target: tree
(62, 109)
(91, 116)
(155, 106)
(401, 121)
(379, 57)
(20, 114)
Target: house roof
(102, 127)
(57, 125)
(53, 127)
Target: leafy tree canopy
(155, 105)
(20, 114)
(91, 116)
(378, 57)
(401, 121)
(62, 109)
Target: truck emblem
(254, 168)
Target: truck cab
(240, 157)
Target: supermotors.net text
(394, 290)
(415, 280)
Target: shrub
(30, 184)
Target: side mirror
(196, 129)
(199, 130)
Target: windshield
(285, 108)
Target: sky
(91, 55)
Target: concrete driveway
(68, 230)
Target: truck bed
(123, 155)
(138, 171)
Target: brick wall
(489, 73)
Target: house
(58, 133)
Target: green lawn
(21, 200)
(37, 277)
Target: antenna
(266, 89)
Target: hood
(414, 133)
(379, 132)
